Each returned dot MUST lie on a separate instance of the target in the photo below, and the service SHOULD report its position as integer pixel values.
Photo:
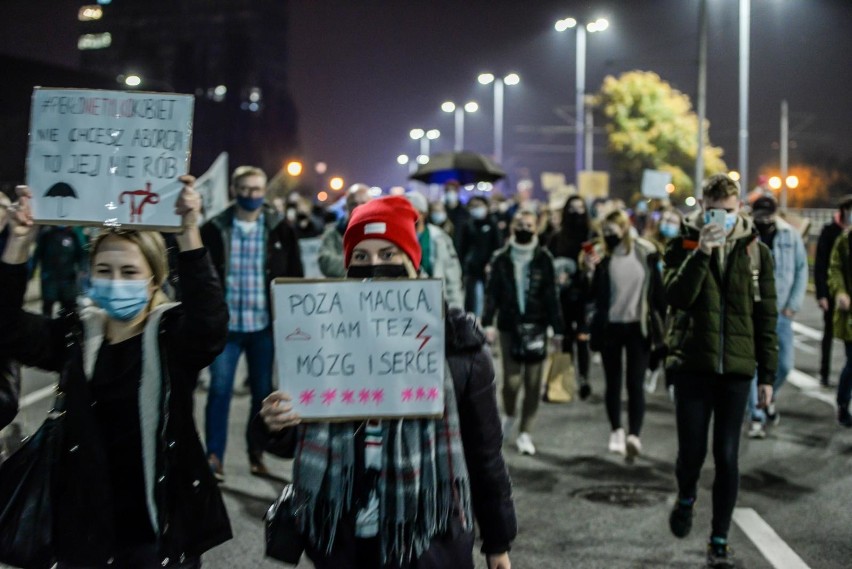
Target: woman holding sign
(140, 356)
(401, 493)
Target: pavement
(579, 506)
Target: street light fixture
(336, 183)
(402, 159)
(425, 137)
(294, 168)
(422, 159)
(132, 80)
(451, 107)
(792, 182)
(433, 134)
(775, 182)
(416, 133)
(510, 79)
(598, 25)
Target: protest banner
(109, 158)
(654, 184)
(212, 185)
(593, 184)
(309, 251)
(349, 349)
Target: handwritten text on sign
(350, 349)
(108, 157)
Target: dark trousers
(625, 338)
(698, 397)
(844, 387)
(827, 340)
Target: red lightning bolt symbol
(422, 336)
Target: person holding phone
(722, 334)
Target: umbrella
(61, 190)
(463, 167)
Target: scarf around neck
(423, 483)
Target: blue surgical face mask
(730, 221)
(249, 204)
(669, 230)
(438, 217)
(478, 212)
(121, 299)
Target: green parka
(718, 325)
(840, 281)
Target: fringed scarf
(423, 483)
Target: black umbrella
(61, 190)
(463, 167)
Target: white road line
(811, 333)
(36, 396)
(808, 349)
(810, 386)
(773, 548)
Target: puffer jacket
(840, 281)
(472, 369)
(717, 323)
(183, 499)
(501, 296)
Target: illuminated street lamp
(598, 25)
(425, 137)
(336, 183)
(792, 182)
(451, 107)
(775, 182)
(402, 159)
(132, 80)
(294, 168)
(499, 82)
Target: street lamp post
(745, 24)
(425, 137)
(450, 107)
(499, 85)
(598, 25)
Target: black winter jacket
(189, 508)
(542, 305)
(10, 384)
(477, 241)
(282, 249)
(473, 378)
(827, 237)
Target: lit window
(89, 13)
(94, 41)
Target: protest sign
(309, 251)
(212, 185)
(350, 349)
(108, 158)
(654, 184)
(593, 184)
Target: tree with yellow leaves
(651, 125)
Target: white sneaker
(634, 448)
(616, 442)
(651, 379)
(756, 431)
(508, 426)
(525, 444)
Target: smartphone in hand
(717, 217)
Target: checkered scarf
(423, 483)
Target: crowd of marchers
(700, 301)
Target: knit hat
(419, 201)
(391, 218)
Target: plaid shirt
(246, 289)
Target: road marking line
(807, 348)
(811, 333)
(810, 386)
(773, 548)
(36, 396)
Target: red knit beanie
(391, 218)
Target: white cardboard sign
(108, 157)
(212, 185)
(654, 184)
(351, 349)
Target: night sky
(363, 73)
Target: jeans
(786, 351)
(260, 352)
(515, 375)
(474, 295)
(625, 338)
(698, 397)
(844, 388)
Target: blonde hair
(153, 248)
(622, 220)
(245, 171)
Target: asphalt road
(580, 506)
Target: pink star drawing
(348, 396)
(378, 395)
(364, 396)
(433, 394)
(407, 394)
(421, 393)
(328, 396)
(307, 397)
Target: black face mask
(612, 241)
(523, 236)
(377, 272)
